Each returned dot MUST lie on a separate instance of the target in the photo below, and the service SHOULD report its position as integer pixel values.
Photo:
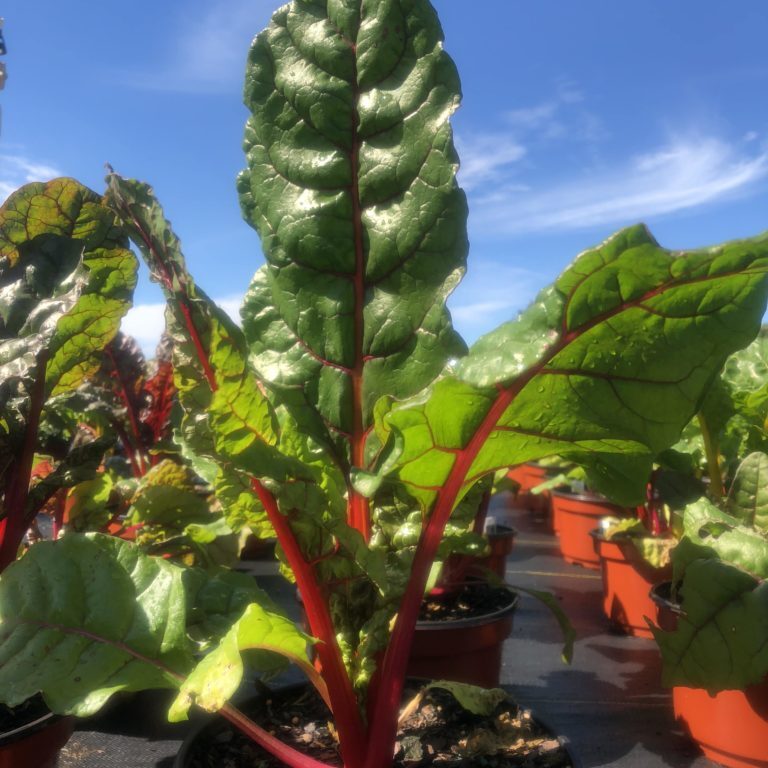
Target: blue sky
(578, 118)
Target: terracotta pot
(575, 516)
(465, 650)
(35, 744)
(627, 581)
(731, 727)
(528, 476)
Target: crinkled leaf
(711, 532)
(721, 641)
(748, 497)
(85, 617)
(226, 411)
(66, 280)
(351, 186)
(636, 334)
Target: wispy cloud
(207, 52)
(486, 157)
(496, 156)
(684, 173)
(16, 170)
(491, 293)
(146, 322)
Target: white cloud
(16, 170)
(490, 158)
(491, 293)
(486, 157)
(685, 173)
(529, 118)
(146, 322)
(208, 52)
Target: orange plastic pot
(575, 516)
(731, 727)
(528, 476)
(627, 582)
(36, 744)
(464, 650)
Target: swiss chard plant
(66, 279)
(140, 400)
(721, 579)
(346, 415)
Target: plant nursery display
(716, 658)
(346, 417)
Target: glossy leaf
(631, 336)
(351, 186)
(85, 617)
(66, 279)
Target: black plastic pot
(668, 610)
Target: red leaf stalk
(16, 523)
(346, 713)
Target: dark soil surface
(474, 599)
(31, 710)
(439, 733)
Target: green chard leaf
(748, 497)
(227, 415)
(66, 280)
(87, 616)
(631, 336)
(721, 641)
(351, 185)
(273, 641)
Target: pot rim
(503, 531)
(27, 729)
(665, 602)
(587, 496)
(471, 621)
